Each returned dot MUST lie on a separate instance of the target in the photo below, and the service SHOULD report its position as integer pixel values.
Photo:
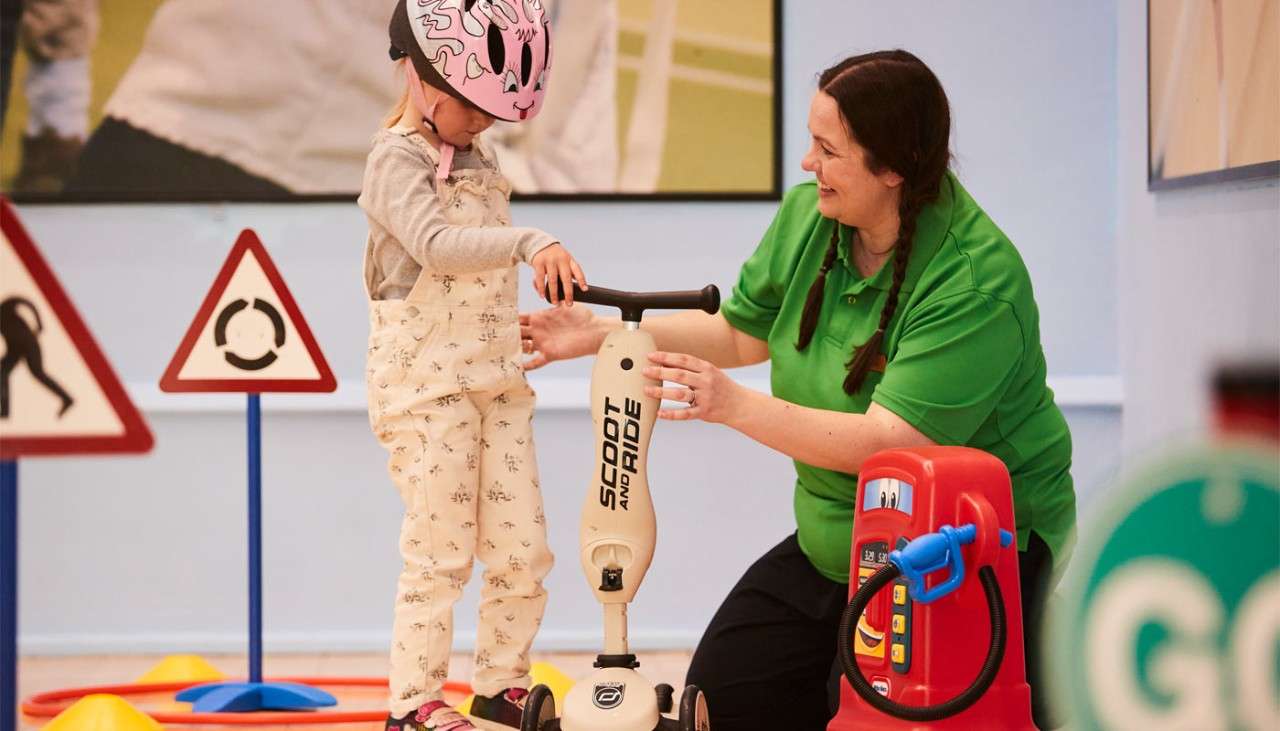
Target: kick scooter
(618, 531)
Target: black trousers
(769, 654)
(122, 161)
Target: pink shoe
(432, 716)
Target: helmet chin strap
(428, 115)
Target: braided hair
(895, 108)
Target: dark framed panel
(1213, 92)
(241, 100)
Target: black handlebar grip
(633, 304)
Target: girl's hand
(712, 396)
(553, 265)
(558, 333)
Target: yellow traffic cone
(102, 712)
(181, 669)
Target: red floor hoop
(51, 703)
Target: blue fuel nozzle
(934, 552)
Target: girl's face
(456, 122)
(847, 189)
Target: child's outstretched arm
(399, 196)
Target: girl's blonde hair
(397, 111)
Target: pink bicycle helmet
(494, 54)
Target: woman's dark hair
(894, 107)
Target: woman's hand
(558, 333)
(711, 395)
(554, 272)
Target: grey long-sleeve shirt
(407, 228)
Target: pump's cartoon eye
(542, 79)
(509, 83)
(889, 494)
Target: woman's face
(847, 189)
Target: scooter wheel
(693, 710)
(666, 697)
(539, 708)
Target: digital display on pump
(888, 493)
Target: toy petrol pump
(915, 648)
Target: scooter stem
(619, 529)
(615, 629)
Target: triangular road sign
(60, 396)
(249, 335)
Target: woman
(895, 314)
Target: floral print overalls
(449, 401)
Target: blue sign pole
(255, 537)
(9, 594)
(254, 695)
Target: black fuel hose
(938, 711)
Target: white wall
(1199, 272)
(1032, 89)
(148, 553)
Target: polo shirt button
(852, 299)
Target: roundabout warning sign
(248, 334)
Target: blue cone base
(247, 697)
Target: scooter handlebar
(633, 304)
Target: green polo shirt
(964, 362)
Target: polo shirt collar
(931, 230)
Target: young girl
(447, 393)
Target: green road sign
(1172, 611)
